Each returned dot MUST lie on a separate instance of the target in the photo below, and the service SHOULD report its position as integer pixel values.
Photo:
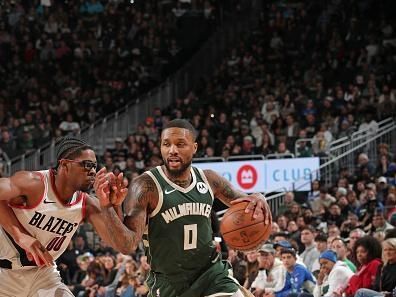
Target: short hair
(70, 147)
(181, 123)
(282, 234)
(309, 228)
(289, 251)
(321, 237)
(344, 242)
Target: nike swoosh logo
(169, 191)
(48, 202)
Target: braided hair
(69, 147)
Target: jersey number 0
(190, 236)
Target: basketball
(240, 231)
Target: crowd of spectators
(315, 70)
(307, 75)
(66, 64)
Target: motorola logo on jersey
(247, 177)
(202, 187)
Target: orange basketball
(240, 231)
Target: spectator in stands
(251, 268)
(382, 189)
(69, 126)
(333, 230)
(299, 280)
(282, 221)
(310, 253)
(363, 163)
(315, 191)
(385, 278)
(339, 246)
(390, 205)
(323, 202)
(333, 275)
(321, 246)
(238, 265)
(271, 275)
(367, 251)
(287, 203)
(351, 223)
(334, 214)
(353, 202)
(8, 145)
(379, 222)
(320, 145)
(109, 271)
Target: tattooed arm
(222, 188)
(141, 201)
(110, 228)
(226, 193)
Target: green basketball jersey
(179, 241)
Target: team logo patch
(202, 187)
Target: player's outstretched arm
(228, 194)
(110, 228)
(101, 214)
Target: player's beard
(176, 173)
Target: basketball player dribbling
(169, 207)
(40, 212)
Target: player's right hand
(35, 251)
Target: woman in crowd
(367, 251)
(385, 278)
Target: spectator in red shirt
(367, 251)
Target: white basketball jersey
(50, 221)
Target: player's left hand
(110, 189)
(258, 205)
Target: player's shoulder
(214, 179)
(143, 184)
(143, 179)
(27, 178)
(210, 174)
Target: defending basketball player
(174, 201)
(46, 210)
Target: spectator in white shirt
(271, 275)
(333, 276)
